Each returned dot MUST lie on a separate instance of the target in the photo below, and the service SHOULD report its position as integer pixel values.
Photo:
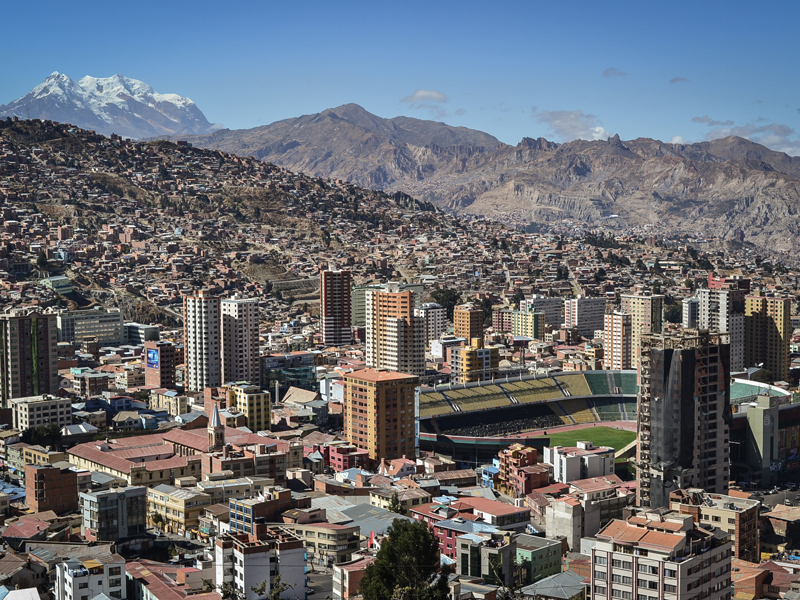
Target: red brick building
(161, 358)
(51, 488)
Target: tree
(640, 266)
(406, 566)
(447, 298)
(600, 275)
(41, 260)
(395, 506)
(516, 299)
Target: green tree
(600, 275)
(673, 313)
(516, 299)
(447, 298)
(41, 260)
(406, 566)
(640, 266)
(395, 506)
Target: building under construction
(683, 414)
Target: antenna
(28, 109)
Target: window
(83, 585)
(598, 560)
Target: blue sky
(667, 70)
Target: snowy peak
(115, 104)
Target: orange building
(468, 321)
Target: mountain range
(107, 105)
(721, 185)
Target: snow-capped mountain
(117, 104)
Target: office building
(395, 337)
(358, 299)
(202, 341)
(41, 410)
(335, 307)
(690, 312)
(579, 462)
(472, 363)
(722, 310)
(435, 317)
(245, 562)
(49, 487)
(114, 514)
(488, 555)
(584, 314)
(768, 329)
(380, 413)
(252, 402)
(468, 321)
(137, 334)
(553, 308)
(660, 555)
(739, 517)
(683, 414)
(88, 578)
(528, 324)
(161, 359)
(105, 324)
(239, 341)
(617, 340)
(647, 316)
(28, 354)
(179, 508)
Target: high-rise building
(435, 316)
(584, 314)
(239, 341)
(358, 298)
(335, 309)
(683, 414)
(381, 412)
(528, 324)
(553, 308)
(468, 321)
(768, 329)
(202, 340)
(617, 340)
(161, 359)
(395, 337)
(105, 324)
(722, 309)
(28, 354)
(474, 362)
(647, 316)
(660, 554)
(690, 312)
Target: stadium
(470, 423)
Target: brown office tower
(28, 354)
(468, 321)
(683, 414)
(767, 332)
(380, 411)
(161, 358)
(334, 297)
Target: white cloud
(677, 139)
(461, 112)
(426, 96)
(572, 124)
(679, 80)
(775, 136)
(613, 72)
(711, 122)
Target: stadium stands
(578, 409)
(573, 384)
(599, 382)
(432, 404)
(532, 390)
(476, 398)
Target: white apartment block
(580, 462)
(551, 307)
(584, 314)
(105, 324)
(395, 338)
(201, 313)
(660, 555)
(85, 579)
(239, 342)
(690, 312)
(723, 311)
(41, 410)
(435, 317)
(617, 340)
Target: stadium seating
(598, 383)
(578, 409)
(477, 398)
(608, 409)
(574, 384)
(433, 403)
(532, 390)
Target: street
(320, 585)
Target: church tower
(216, 431)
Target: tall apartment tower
(334, 298)
(552, 308)
(395, 337)
(768, 329)
(647, 316)
(358, 298)
(474, 362)
(468, 321)
(435, 316)
(690, 312)
(584, 314)
(201, 340)
(239, 340)
(683, 414)
(617, 340)
(28, 354)
(380, 413)
(722, 310)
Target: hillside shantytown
(221, 379)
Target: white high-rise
(395, 337)
(690, 312)
(551, 307)
(723, 311)
(584, 314)
(201, 317)
(434, 315)
(240, 357)
(617, 340)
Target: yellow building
(170, 401)
(379, 413)
(767, 331)
(474, 362)
(408, 498)
(468, 321)
(528, 324)
(252, 402)
(178, 508)
(37, 455)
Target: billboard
(152, 358)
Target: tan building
(379, 413)
(528, 324)
(252, 402)
(647, 316)
(767, 331)
(468, 321)
(329, 543)
(473, 363)
(617, 340)
(178, 508)
(395, 337)
(41, 410)
(170, 401)
(408, 498)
